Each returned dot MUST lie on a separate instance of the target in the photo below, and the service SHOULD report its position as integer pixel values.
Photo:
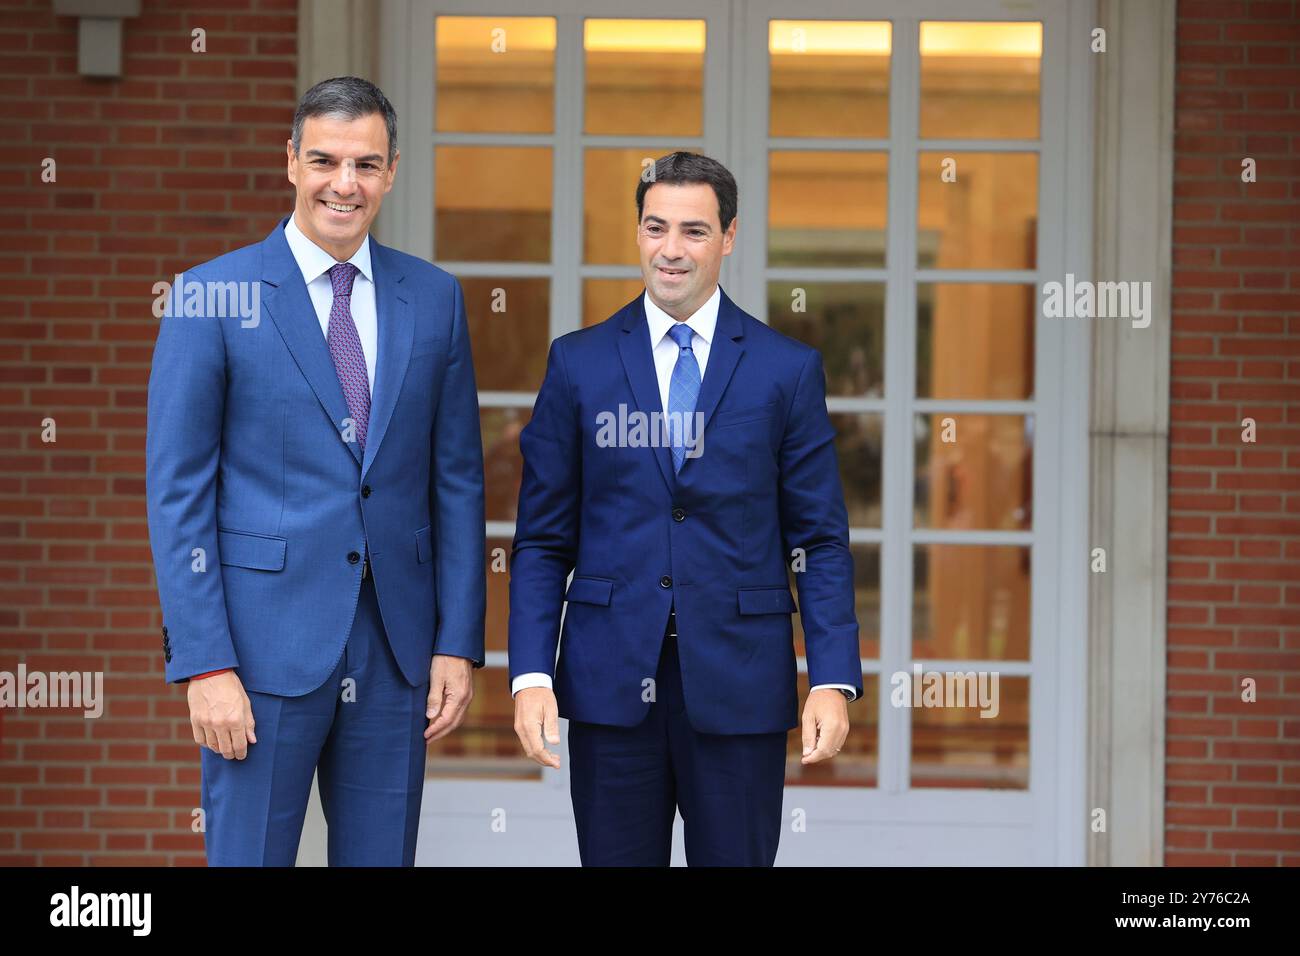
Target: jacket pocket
(424, 544)
(590, 590)
(766, 601)
(741, 415)
(246, 549)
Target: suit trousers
(628, 783)
(361, 733)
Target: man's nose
(672, 247)
(345, 180)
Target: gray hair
(345, 97)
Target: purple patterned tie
(345, 350)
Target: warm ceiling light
(479, 33)
(982, 39)
(828, 37)
(643, 36)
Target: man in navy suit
(315, 497)
(679, 459)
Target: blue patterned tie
(683, 390)
(345, 349)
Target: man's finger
(809, 731)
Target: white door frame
(858, 826)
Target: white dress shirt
(315, 264)
(703, 323)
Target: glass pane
(503, 466)
(956, 747)
(866, 602)
(970, 602)
(485, 745)
(644, 77)
(829, 78)
(495, 74)
(974, 471)
(610, 180)
(601, 298)
(826, 209)
(492, 203)
(856, 764)
(980, 80)
(859, 438)
(845, 321)
(975, 340)
(985, 218)
(497, 560)
(509, 331)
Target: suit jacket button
(665, 582)
(679, 514)
(164, 630)
(365, 491)
(353, 557)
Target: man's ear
(291, 159)
(729, 237)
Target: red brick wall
(1233, 768)
(179, 160)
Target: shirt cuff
(534, 679)
(211, 673)
(853, 694)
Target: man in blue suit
(676, 665)
(315, 500)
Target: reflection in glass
(866, 601)
(980, 80)
(492, 203)
(975, 340)
(496, 560)
(495, 74)
(845, 321)
(956, 747)
(485, 745)
(826, 208)
(509, 331)
(856, 765)
(974, 471)
(859, 438)
(644, 77)
(829, 78)
(970, 602)
(503, 465)
(601, 298)
(611, 177)
(987, 218)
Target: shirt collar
(315, 261)
(702, 323)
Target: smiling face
(342, 175)
(682, 243)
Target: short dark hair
(346, 97)
(681, 168)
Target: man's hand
(221, 715)
(451, 688)
(825, 724)
(537, 713)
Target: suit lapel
(639, 364)
(724, 352)
(290, 308)
(396, 332)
